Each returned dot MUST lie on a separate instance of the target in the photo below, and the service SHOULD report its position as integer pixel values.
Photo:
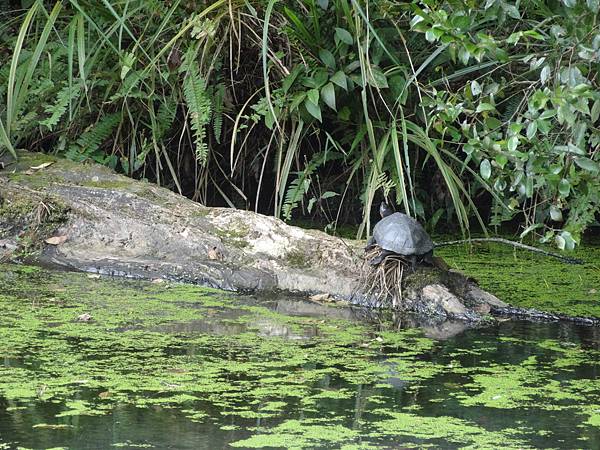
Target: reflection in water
(175, 367)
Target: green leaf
(297, 100)
(513, 143)
(327, 58)
(313, 96)
(565, 241)
(475, 88)
(531, 129)
(329, 194)
(289, 80)
(529, 187)
(485, 169)
(485, 107)
(564, 187)
(593, 5)
(377, 78)
(313, 110)
(328, 95)
(511, 10)
(492, 123)
(556, 213)
(545, 74)
(461, 22)
(339, 78)
(501, 160)
(344, 36)
(595, 111)
(587, 164)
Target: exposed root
(382, 284)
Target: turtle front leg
(413, 263)
(379, 258)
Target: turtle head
(385, 210)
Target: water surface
(182, 367)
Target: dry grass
(382, 284)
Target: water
(171, 366)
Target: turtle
(397, 233)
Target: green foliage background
(462, 112)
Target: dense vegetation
(460, 111)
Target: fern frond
(199, 106)
(299, 186)
(129, 87)
(219, 95)
(58, 109)
(165, 117)
(90, 141)
(295, 192)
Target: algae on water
(169, 364)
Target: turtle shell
(402, 234)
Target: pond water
(163, 365)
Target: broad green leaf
(328, 95)
(565, 241)
(461, 22)
(513, 143)
(560, 242)
(485, 107)
(501, 160)
(529, 187)
(595, 111)
(492, 123)
(531, 129)
(593, 5)
(313, 110)
(587, 164)
(564, 187)
(339, 78)
(327, 58)
(313, 96)
(289, 80)
(344, 36)
(464, 55)
(556, 213)
(545, 74)
(377, 78)
(511, 10)
(323, 4)
(569, 3)
(329, 194)
(485, 169)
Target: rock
(123, 227)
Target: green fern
(300, 185)
(199, 106)
(58, 109)
(219, 95)
(88, 144)
(165, 117)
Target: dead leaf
(592, 291)
(42, 166)
(85, 317)
(94, 276)
(321, 298)
(104, 394)
(56, 240)
(214, 254)
(158, 280)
